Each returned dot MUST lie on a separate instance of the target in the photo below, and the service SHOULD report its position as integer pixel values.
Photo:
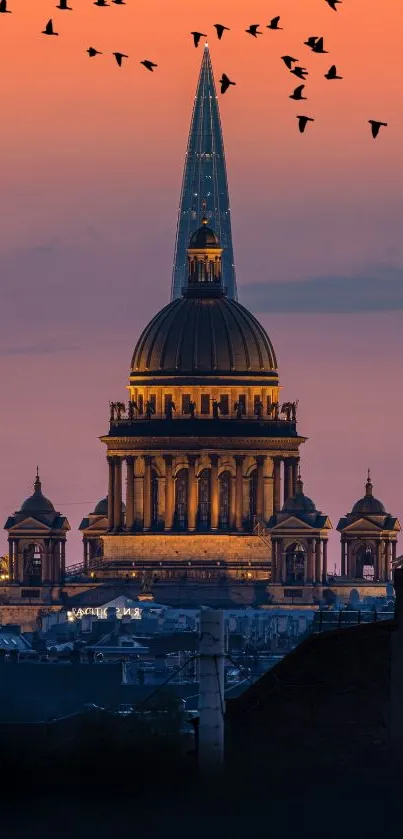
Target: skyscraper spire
(204, 186)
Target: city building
(214, 511)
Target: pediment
(29, 525)
(362, 525)
(99, 526)
(292, 523)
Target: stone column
(260, 462)
(232, 503)
(343, 557)
(394, 547)
(379, 571)
(294, 477)
(324, 566)
(11, 560)
(273, 560)
(192, 493)
(117, 515)
(349, 559)
(85, 552)
(277, 483)
(62, 561)
(268, 489)
(239, 459)
(111, 493)
(288, 473)
(309, 562)
(130, 493)
(388, 561)
(147, 493)
(169, 493)
(318, 562)
(281, 560)
(46, 563)
(215, 498)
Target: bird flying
(100, 3)
(197, 36)
(92, 51)
(302, 122)
(318, 46)
(49, 28)
(63, 5)
(333, 4)
(3, 8)
(220, 29)
(274, 23)
(119, 57)
(225, 82)
(253, 30)
(289, 60)
(299, 72)
(298, 93)
(375, 126)
(311, 41)
(332, 73)
(119, 2)
(149, 65)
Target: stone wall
(197, 546)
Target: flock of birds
(314, 42)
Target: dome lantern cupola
(204, 263)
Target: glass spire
(204, 185)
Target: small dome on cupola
(37, 503)
(299, 503)
(203, 237)
(368, 505)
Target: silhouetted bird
(298, 93)
(299, 72)
(63, 5)
(197, 36)
(225, 82)
(92, 51)
(318, 46)
(119, 2)
(302, 122)
(100, 3)
(375, 126)
(119, 57)
(333, 4)
(49, 29)
(332, 73)
(274, 23)
(311, 41)
(220, 29)
(149, 64)
(289, 60)
(3, 8)
(253, 30)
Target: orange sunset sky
(91, 167)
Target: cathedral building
(205, 502)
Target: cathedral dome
(37, 503)
(204, 335)
(204, 237)
(101, 509)
(368, 505)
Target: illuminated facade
(204, 184)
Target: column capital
(260, 459)
(239, 458)
(214, 459)
(192, 458)
(148, 459)
(168, 459)
(130, 458)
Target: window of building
(205, 403)
(224, 404)
(140, 403)
(242, 402)
(186, 403)
(256, 402)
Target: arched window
(32, 565)
(295, 563)
(225, 500)
(204, 500)
(154, 499)
(181, 500)
(252, 495)
(365, 562)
